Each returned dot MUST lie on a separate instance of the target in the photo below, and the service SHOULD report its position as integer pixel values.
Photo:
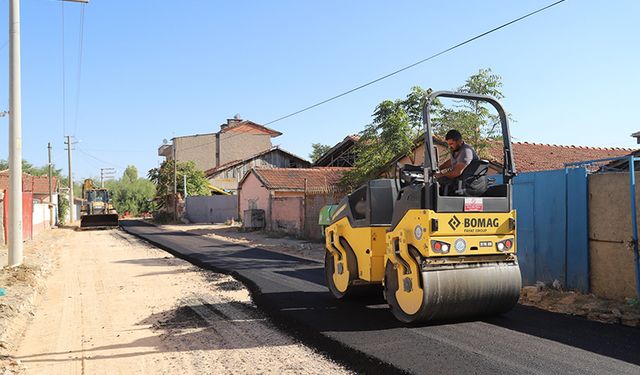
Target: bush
(63, 209)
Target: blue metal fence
(552, 217)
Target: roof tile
(293, 179)
(34, 184)
(532, 157)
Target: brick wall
(313, 204)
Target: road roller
(439, 254)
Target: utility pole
(184, 183)
(175, 182)
(15, 136)
(106, 173)
(71, 206)
(50, 174)
(15, 139)
(51, 222)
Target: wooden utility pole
(71, 206)
(51, 221)
(175, 182)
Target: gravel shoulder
(115, 304)
(21, 287)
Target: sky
(155, 70)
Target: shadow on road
(192, 327)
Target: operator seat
(474, 182)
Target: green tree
(130, 193)
(398, 124)
(474, 119)
(31, 169)
(130, 174)
(63, 208)
(162, 177)
(317, 150)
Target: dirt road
(116, 305)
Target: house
(38, 213)
(534, 157)
(340, 155)
(528, 157)
(228, 175)
(237, 139)
(291, 198)
(38, 185)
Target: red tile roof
(245, 126)
(531, 157)
(293, 179)
(34, 184)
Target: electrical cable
(100, 160)
(64, 88)
(467, 41)
(79, 73)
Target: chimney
(636, 135)
(231, 121)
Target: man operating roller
(458, 168)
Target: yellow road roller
(439, 254)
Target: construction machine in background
(97, 210)
(436, 256)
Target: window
(358, 203)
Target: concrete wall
(212, 209)
(612, 272)
(235, 145)
(254, 195)
(286, 214)
(41, 218)
(198, 148)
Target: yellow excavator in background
(437, 255)
(97, 210)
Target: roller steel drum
(460, 291)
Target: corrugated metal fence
(552, 222)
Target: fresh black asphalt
(363, 334)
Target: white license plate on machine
(473, 205)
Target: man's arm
(464, 159)
(445, 165)
(455, 171)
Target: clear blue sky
(152, 70)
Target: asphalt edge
(352, 359)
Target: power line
(109, 150)
(416, 63)
(79, 74)
(100, 160)
(64, 88)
